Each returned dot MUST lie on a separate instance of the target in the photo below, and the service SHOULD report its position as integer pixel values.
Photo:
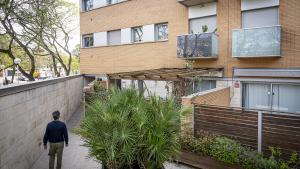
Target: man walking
(56, 133)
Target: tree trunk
(13, 75)
(55, 67)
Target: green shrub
(201, 146)
(101, 93)
(227, 150)
(97, 86)
(232, 152)
(125, 130)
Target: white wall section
(255, 4)
(99, 3)
(203, 10)
(80, 5)
(100, 39)
(148, 33)
(126, 36)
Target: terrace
(211, 113)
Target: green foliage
(5, 60)
(201, 146)
(228, 150)
(232, 152)
(125, 130)
(204, 28)
(75, 65)
(189, 64)
(101, 93)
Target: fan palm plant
(127, 131)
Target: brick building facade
(257, 43)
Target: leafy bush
(125, 130)
(100, 93)
(201, 146)
(227, 150)
(232, 152)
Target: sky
(75, 37)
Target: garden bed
(202, 162)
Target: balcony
(194, 2)
(256, 42)
(197, 46)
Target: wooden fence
(255, 129)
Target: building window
(276, 97)
(161, 31)
(114, 37)
(209, 21)
(196, 86)
(88, 40)
(137, 34)
(260, 17)
(87, 5)
(109, 2)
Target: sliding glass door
(286, 97)
(278, 97)
(256, 96)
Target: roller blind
(260, 17)
(209, 21)
(114, 37)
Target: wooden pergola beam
(164, 74)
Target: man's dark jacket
(56, 131)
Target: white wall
(80, 5)
(203, 10)
(100, 39)
(148, 33)
(254, 4)
(235, 92)
(99, 3)
(158, 88)
(154, 87)
(126, 36)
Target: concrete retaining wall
(25, 111)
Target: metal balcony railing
(256, 42)
(197, 46)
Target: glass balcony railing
(256, 42)
(197, 46)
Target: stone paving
(75, 155)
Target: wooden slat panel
(281, 120)
(227, 118)
(281, 131)
(234, 117)
(278, 130)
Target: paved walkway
(75, 155)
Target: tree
(60, 22)
(12, 50)
(76, 51)
(39, 28)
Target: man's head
(56, 115)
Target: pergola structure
(181, 77)
(168, 74)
